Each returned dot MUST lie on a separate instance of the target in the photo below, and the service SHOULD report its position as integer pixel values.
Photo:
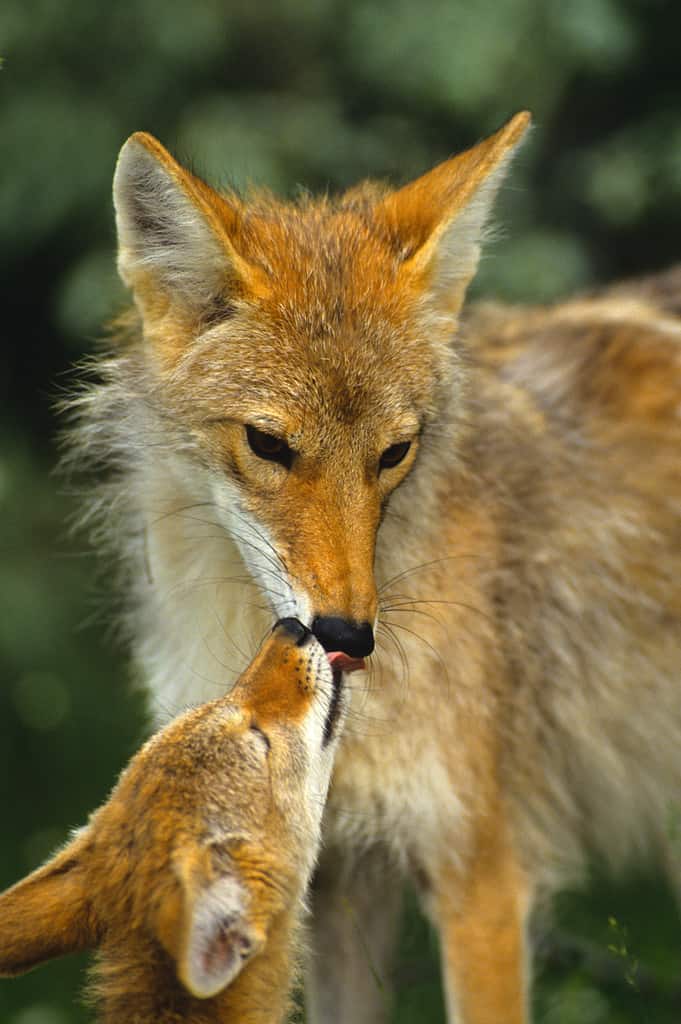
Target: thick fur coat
(519, 562)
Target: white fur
(204, 617)
(161, 230)
(219, 940)
(322, 757)
(258, 552)
(459, 241)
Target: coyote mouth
(334, 706)
(344, 662)
(340, 663)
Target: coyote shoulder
(301, 415)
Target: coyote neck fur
(198, 608)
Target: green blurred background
(312, 93)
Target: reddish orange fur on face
(320, 321)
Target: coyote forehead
(326, 343)
(342, 296)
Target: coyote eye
(267, 446)
(393, 455)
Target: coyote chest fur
(299, 411)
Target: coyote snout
(337, 634)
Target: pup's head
(208, 840)
(305, 348)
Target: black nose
(295, 629)
(336, 634)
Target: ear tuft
(438, 221)
(220, 940)
(166, 225)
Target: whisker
(387, 609)
(271, 555)
(181, 511)
(409, 604)
(421, 567)
(426, 643)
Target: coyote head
(200, 858)
(302, 351)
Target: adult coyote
(494, 496)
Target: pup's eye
(393, 455)
(268, 446)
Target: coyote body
(191, 878)
(496, 493)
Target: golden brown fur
(190, 879)
(522, 560)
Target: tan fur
(200, 856)
(523, 561)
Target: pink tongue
(342, 662)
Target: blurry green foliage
(290, 94)
(68, 719)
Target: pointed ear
(47, 914)
(206, 923)
(219, 938)
(437, 222)
(175, 234)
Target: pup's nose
(336, 634)
(294, 629)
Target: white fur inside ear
(220, 940)
(458, 243)
(161, 230)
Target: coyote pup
(196, 867)
(493, 496)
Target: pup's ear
(207, 924)
(47, 914)
(437, 221)
(220, 939)
(175, 233)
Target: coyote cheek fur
(299, 394)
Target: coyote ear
(173, 230)
(438, 220)
(46, 915)
(219, 938)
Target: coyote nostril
(336, 634)
(295, 629)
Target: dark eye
(393, 455)
(267, 446)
